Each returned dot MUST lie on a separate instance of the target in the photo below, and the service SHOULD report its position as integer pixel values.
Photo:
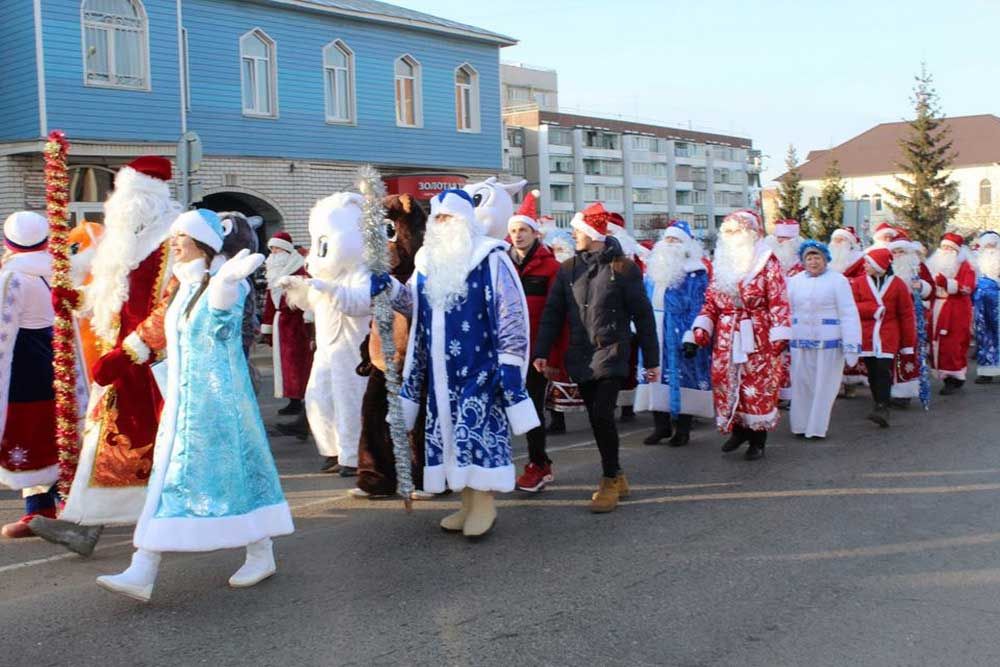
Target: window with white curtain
(338, 71)
(115, 44)
(467, 98)
(259, 74)
(408, 102)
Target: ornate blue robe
(214, 484)
(685, 385)
(472, 360)
(987, 327)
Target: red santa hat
(747, 220)
(592, 221)
(282, 240)
(25, 231)
(153, 166)
(900, 241)
(880, 258)
(847, 233)
(786, 229)
(616, 223)
(953, 240)
(884, 229)
(527, 213)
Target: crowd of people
(502, 323)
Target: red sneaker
(534, 478)
(20, 528)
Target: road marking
(929, 473)
(888, 549)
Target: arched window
(258, 63)
(338, 77)
(115, 44)
(467, 98)
(985, 192)
(408, 94)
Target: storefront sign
(423, 186)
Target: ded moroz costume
(954, 282)
(987, 308)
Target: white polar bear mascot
(339, 295)
(494, 204)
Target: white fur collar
(692, 264)
(482, 247)
(38, 263)
(190, 272)
(763, 254)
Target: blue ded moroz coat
(987, 327)
(473, 360)
(214, 484)
(685, 385)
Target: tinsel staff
(63, 337)
(377, 257)
(923, 352)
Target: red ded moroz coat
(888, 326)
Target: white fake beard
(841, 256)
(906, 266)
(787, 252)
(563, 252)
(276, 267)
(945, 263)
(448, 247)
(665, 264)
(733, 258)
(989, 262)
(79, 265)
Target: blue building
(287, 96)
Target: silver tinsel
(377, 257)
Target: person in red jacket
(954, 283)
(887, 325)
(537, 267)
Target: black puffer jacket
(601, 293)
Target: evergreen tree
(926, 199)
(790, 191)
(828, 212)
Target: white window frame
(473, 90)
(352, 107)
(418, 102)
(146, 85)
(272, 70)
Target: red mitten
(66, 295)
(111, 366)
(941, 281)
(702, 338)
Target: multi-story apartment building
(526, 84)
(648, 173)
(288, 97)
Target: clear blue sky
(812, 73)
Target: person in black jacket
(600, 293)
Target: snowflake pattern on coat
(746, 370)
(986, 304)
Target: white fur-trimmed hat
(786, 229)
(527, 214)
(454, 202)
(201, 225)
(25, 230)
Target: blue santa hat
(989, 237)
(678, 229)
(814, 246)
(457, 203)
(201, 225)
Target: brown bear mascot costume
(405, 225)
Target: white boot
(259, 565)
(137, 581)
(483, 515)
(454, 523)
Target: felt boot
(455, 522)
(483, 515)
(258, 566)
(78, 539)
(137, 581)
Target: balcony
(605, 153)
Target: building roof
(976, 140)
(372, 10)
(625, 127)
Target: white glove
(223, 289)
(290, 282)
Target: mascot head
(239, 232)
(405, 225)
(337, 243)
(82, 241)
(494, 204)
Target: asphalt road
(874, 547)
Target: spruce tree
(790, 191)
(926, 199)
(828, 212)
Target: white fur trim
(988, 371)
(780, 333)
(437, 478)
(266, 328)
(786, 231)
(952, 286)
(522, 417)
(925, 289)
(23, 479)
(703, 322)
(578, 224)
(26, 228)
(875, 265)
(136, 348)
(452, 204)
(308, 316)
(759, 422)
(281, 243)
(906, 350)
(524, 220)
(211, 533)
(675, 232)
(901, 244)
(510, 360)
(410, 410)
(958, 375)
(950, 244)
(192, 224)
(688, 337)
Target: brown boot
(623, 489)
(606, 498)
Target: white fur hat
(25, 230)
(453, 202)
(201, 225)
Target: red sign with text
(423, 186)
